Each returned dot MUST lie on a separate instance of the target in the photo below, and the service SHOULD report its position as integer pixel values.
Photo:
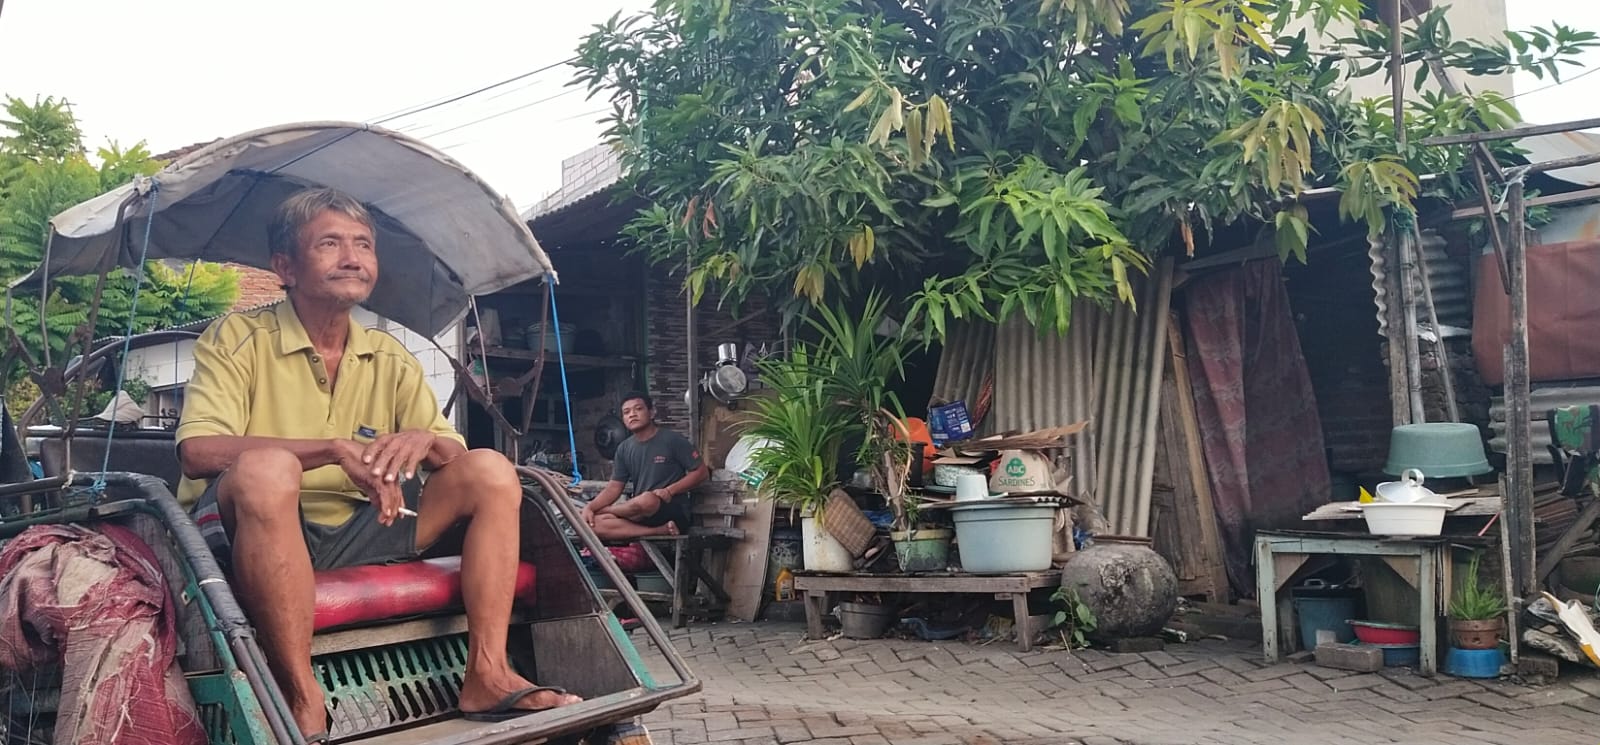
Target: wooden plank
(1581, 195)
(745, 576)
(1170, 520)
(1463, 507)
(925, 583)
(1519, 438)
(718, 509)
(1408, 568)
(1512, 133)
(385, 633)
(1585, 521)
(1199, 474)
(1267, 595)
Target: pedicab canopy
(443, 234)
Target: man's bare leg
(609, 527)
(259, 498)
(635, 508)
(482, 487)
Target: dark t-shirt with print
(655, 464)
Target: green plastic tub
(1004, 538)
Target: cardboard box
(949, 423)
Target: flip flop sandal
(506, 707)
(321, 738)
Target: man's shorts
(676, 511)
(360, 540)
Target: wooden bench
(716, 507)
(1013, 587)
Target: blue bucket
(1324, 611)
(1473, 663)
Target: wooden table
(1013, 587)
(1423, 562)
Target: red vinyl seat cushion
(366, 594)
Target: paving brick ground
(766, 683)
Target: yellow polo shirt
(256, 374)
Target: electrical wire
(1556, 84)
(447, 101)
(499, 114)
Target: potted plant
(922, 547)
(802, 432)
(1477, 612)
(858, 362)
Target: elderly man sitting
(305, 433)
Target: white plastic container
(972, 487)
(821, 552)
(1408, 490)
(1416, 518)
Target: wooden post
(1408, 303)
(1394, 323)
(1519, 436)
(1446, 372)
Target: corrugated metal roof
(1565, 145)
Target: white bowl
(1416, 518)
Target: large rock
(1130, 588)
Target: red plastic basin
(1378, 632)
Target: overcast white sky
(176, 72)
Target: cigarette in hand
(407, 513)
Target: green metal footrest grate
(375, 689)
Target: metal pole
(1519, 436)
(693, 399)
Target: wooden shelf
(580, 361)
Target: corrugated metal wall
(1130, 359)
(1451, 280)
(1542, 399)
(1048, 380)
(967, 357)
(1106, 369)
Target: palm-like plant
(805, 429)
(858, 366)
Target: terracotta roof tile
(257, 287)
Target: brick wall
(257, 287)
(668, 336)
(1333, 302)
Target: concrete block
(1532, 665)
(1350, 657)
(1137, 645)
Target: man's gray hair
(283, 236)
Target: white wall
(1480, 20)
(172, 364)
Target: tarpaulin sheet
(94, 603)
(1563, 314)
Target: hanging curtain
(1258, 416)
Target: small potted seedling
(1477, 612)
